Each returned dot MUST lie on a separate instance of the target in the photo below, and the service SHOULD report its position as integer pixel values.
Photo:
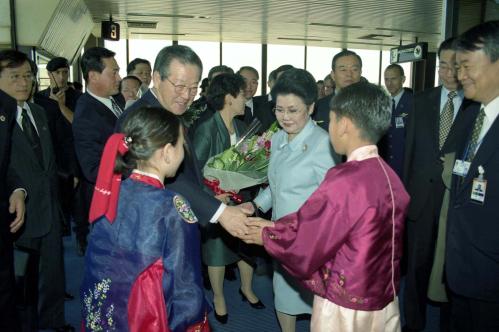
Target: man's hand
(254, 236)
(247, 208)
(16, 205)
(234, 220)
(59, 97)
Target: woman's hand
(254, 235)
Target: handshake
(237, 221)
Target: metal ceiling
(366, 24)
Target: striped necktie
(446, 117)
(475, 134)
(116, 108)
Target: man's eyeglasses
(181, 89)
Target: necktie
(446, 118)
(475, 134)
(116, 108)
(32, 136)
(393, 106)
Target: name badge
(478, 190)
(479, 187)
(399, 122)
(461, 167)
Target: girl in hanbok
(345, 242)
(142, 266)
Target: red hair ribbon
(214, 185)
(107, 187)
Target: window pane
(278, 55)
(118, 47)
(146, 48)
(407, 66)
(319, 61)
(370, 64)
(236, 55)
(209, 52)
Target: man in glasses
(176, 76)
(439, 118)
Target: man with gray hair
(176, 76)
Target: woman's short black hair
(221, 86)
(298, 82)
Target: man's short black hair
(446, 45)
(131, 77)
(343, 54)
(484, 37)
(219, 69)
(249, 68)
(12, 59)
(92, 60)
(56, 63)
(131, 66)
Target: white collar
(364, 152)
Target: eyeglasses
(291, 112)
(180, 88)
(446, 69)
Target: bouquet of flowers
(242, 165)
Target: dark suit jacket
(93, 123)
(391, 146)
(472, 252)
(212, 137)
(188, 180)
(42, 206)
(62, 135)
(423, 164)
(321, 112)
(263, 110)
(9, 180)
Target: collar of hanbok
(364, 152)
(147, 178)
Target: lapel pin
(305, 147)
(2, 118)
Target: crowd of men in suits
(443, 143)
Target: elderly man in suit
(392, 144)
(472, 252)
(176, 75)
(11, 201)
(436, 124)
(33, 158)
(95, 117)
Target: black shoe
(222, 319)
(68, 297)
(257, 305)
(65, 328)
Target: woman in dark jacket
(213, 136)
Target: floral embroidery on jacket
(98, 318)
(184, 210)
(340, 290)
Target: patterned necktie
(446, 118)
(116, 108)
(475, 134)
(30, 131)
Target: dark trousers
(8, 316)
(51, 281)
(472, 315)
(421, 240)
(83, 198)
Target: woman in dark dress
(213, 136)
